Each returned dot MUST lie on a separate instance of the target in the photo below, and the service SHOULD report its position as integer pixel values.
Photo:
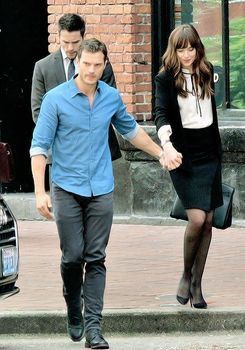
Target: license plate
(9, 261)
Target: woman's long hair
(180, 38)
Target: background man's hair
(92, 45)
(72, 23)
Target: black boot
(95, 340)
(75, 327)
(72, 278)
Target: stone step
(23, 206)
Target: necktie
(71, 69)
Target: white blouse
(196, 113)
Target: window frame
(163, 22)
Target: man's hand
(172, 159)
(162, 160)
(43, 204)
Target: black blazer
(48, 73)
(167, 112)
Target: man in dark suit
(57, 67)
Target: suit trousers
(84, 225)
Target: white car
(9, 251)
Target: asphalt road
(174, 341)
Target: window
(220, 24)
(237, 54)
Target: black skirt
(200, 188)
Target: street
(173, 341)
(132, 292)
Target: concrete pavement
(144, 264)
(174, 341)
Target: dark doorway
(162, 19)
(23, 40)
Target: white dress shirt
(66, 62)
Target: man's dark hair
(72, 23)
(92, 45)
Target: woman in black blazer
(186, 122)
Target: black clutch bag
(222, 218)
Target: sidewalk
(144, 264)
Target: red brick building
(125, 27)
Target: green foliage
(213, 47)
(237, 63)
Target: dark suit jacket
(167, 112)
(48, 73)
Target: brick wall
(125, 27)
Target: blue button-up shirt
(78, 136)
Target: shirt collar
(74, 89)
(186, 71)
(64, 55)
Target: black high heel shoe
(182, 300)
(201, 305)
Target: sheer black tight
(197, 240)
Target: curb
(23, 205)
(128, 322)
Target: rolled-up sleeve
(124, 123)
(130, 135)
(35, 151)
(45, 128)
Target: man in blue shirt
(74, 121)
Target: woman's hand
(172, 158)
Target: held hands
(171, 158)
(43, 204)
(161, 159)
